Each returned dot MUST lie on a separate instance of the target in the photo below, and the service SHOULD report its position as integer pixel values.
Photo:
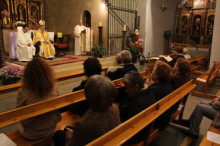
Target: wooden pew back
(206, 79)
(16, 86)
(126, 130)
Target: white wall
(155, 23)
(215, 52)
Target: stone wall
(154, 22)
(63, 15)
(216, 34)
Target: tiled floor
(172, 136)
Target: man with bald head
(77, 32)
(126, 58)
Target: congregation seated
(91, 66)
(38, 85)
(161, 87)
(101, 117)
(43, 43)
(25, 48)
(204, 108)
(186, 53)
(138, 100)
(125, 58)
(179, 51)
(180, 76)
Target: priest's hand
(51, 42)
(29, 44)
(45, 41)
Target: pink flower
(11, 71)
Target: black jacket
(173, 62)
(132, 106)
(160, 90)
(120, 72)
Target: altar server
(25, 47)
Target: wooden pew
(192, 60)
(150, 65)
(22, 113)
(128, 129)
(196, 62)
(206, 142)
(16, 86)
(207, 79)
(67, 119)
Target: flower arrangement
(20, 23)
(143, 59)
(134, 52)
(10, 74)
(98, 51)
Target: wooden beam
(16, 86)
(22, 113)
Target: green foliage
(134, 51)
(98, 51)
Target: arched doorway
(86, 18)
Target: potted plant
(98, 51)
(143, 59)
(10, 74)
(134, 52)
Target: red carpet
(58, 60)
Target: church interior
(103, 29)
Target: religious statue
(197, 26)
(21, 13)
(77, 32)
(136, 35)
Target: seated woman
(180, 77)
(126, 58)
(38, 85)
(138, 100)
(180, 73)
(161, 75)
(101, 117)
(92, 66)
(186, 53)
(179, 51)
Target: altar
(13, 42)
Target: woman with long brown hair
(38, 85)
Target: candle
(124, 27)
(59, 35)
(100, 23)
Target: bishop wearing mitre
(41, 37)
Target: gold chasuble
(47, 50)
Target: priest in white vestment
(77, 32)
(25, 47)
